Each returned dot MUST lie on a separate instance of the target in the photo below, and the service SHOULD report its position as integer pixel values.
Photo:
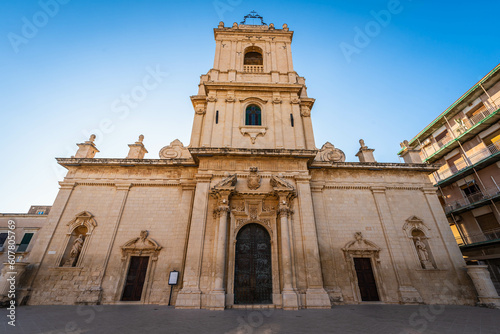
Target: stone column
(190, 295)
(290, 300)
(289, 295)
(218, 295)
(486, 291)
(408, 293)
(316, 296)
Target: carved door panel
(135, 278)
(366, 279)
(253, 270)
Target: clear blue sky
(65, 76)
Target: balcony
(468, 128)
(253, 68)
(474, 158)
(479, 238)
(472, 201)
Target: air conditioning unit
(426, 142)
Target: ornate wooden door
(366, 279)
(135, 278)
(253, 269)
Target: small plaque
(174, 275)
(52, 252)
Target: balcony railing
(469, 239)
(474, 158)
(459, 129)
(471, 199)
(253, 68)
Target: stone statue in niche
(75, 251)
(423, 254)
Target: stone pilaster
(407, 293)
(44, 238)
(305, 112)
(206, 140)
(316, 296)
(298, 128)
(190, 295)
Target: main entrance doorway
(135, 278)
(253, 269)
(366, 279)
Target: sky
(379, 70)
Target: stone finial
(365, 154)
(409, 154)
(221, 25)
(271, 26)
(362, 144)
(285, 27)
(137, 150)
(235, 25)
(87, 149)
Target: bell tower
(252, 97)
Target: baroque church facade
(250, 212)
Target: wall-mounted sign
(174, 276)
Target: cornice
(126, 163)
(375, 166)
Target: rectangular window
(25, 242)
(3, 237)
(487, 222)
(472, 192)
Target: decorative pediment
(141, 245)
(176, 150)
(360, 246)
(278, 183)
(253, 99)
(227, 182)
(329, 152)
(415, 223)
(83, 218)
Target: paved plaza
(373, 318)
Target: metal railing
(459, 129)
(468, 239)
(474, 158)
(471, 199)
(253, 68)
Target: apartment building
(465, 141)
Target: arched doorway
(253, 268)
